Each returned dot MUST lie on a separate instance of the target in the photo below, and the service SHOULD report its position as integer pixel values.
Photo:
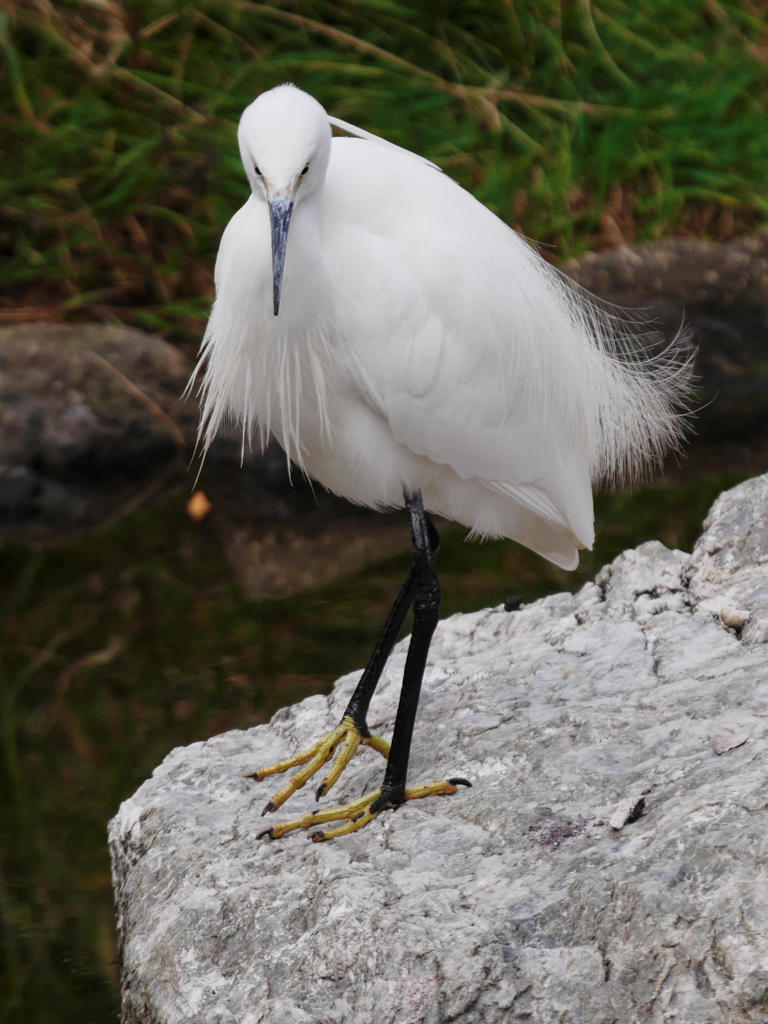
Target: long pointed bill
(280, 210)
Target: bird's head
(285, 145)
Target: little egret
(406, 347)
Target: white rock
(514, 900)
(729, 734)
(627, 810)
(734, 618)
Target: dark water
(121, 644)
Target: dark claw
(266, 833)
(267, 808)
(460, 782)
(320, 791)
(316, 837)
(253, 775)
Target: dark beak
(280, 210)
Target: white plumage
(420, 342)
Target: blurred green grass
(579, 123)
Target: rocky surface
(515, 900)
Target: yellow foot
(358, 813)
(346, 736)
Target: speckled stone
(515, 900)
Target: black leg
(360, 701)
(422, 590)
(426, 608)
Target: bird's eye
(256, 169)
(306, 168)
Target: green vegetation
(579, 123)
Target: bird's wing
(482, 426)
(455, 391)
(466, 348)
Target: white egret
(405, 346)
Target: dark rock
(90, 417)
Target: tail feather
(640, 385)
